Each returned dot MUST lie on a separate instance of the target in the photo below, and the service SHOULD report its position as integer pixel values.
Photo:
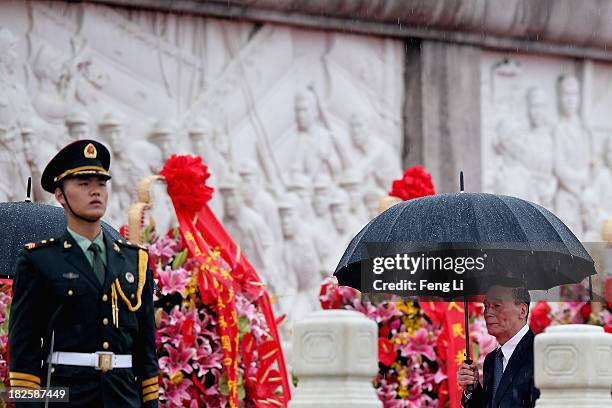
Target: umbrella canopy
(529, 243)
(24, 221)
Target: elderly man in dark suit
(508, 371)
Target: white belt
(100, 360)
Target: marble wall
(302, 130)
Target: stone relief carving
(546, 152)
(572, 155)
(316, 152)
(285, 126)
(300, 261)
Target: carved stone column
(442, 112)
(335, 357)
(573, 367)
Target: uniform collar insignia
(67, 244)
(116, 247)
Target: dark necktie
(498, 370)
(98, 265)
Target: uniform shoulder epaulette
(45, 242)
(130, 244)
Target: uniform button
(70, 292)
(132, 296)
(105, 321)
(52, 370)
(105, 297)
(105, 345)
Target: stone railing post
(335, 358)
(573, 367)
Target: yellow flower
(403, 392)
(177, 377)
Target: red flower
(123, 230)
(386, 351)
(186, 178)
(384, 330)
(585, 311)
(539, 317)
(608, 328)
(329, 296)
(415, 183)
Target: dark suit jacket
(516, 387)
(56, 272)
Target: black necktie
(98, 266)
(498, 370)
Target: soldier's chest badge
(129, 276)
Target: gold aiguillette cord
(115, 305)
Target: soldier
(93, 293)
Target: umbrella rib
(525, 237)
(400, 213)
(559, 236)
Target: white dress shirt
(509, 346)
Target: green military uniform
(103, 324)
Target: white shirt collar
(509, 346)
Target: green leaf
(180, 259)
(475, 351)
(146, 233)
(243, 325)
(223, 388)
(241, 392)
(6, 321)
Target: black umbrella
(525, 243)
(24, 221)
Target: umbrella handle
(468, 360)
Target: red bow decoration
(186, 177)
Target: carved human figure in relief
(344, 223)
(250, 231)
(300, 185)
(315, 150)
(64, 80)
(128, 166)
(373, 159)
(161, 138)
(204, 143)
(572, 154)
(512, 177)
(49, 101)
(257, 197)
(322, 224)
(12, 184)
(301, 279)
(352, 184)
(14, 101)
(539, 160)
(78, 125)
(33, 151)
(597, 199)
(200, 135)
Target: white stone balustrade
(335, 358)
(573, 367)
